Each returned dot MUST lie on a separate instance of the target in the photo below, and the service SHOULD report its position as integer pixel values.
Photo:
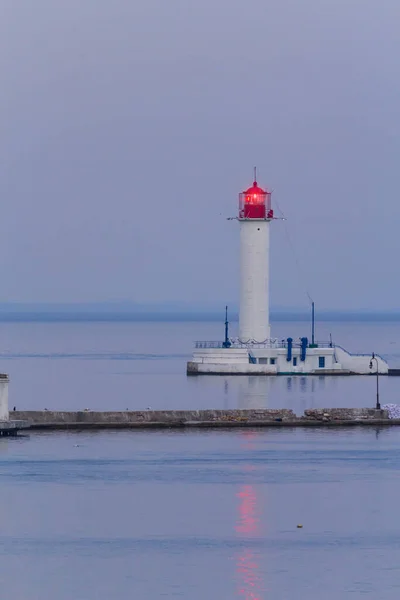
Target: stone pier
(149, 419)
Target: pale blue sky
(128, 127)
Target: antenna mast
(313, 323)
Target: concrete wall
(4, 414)
(126, 418)
(222, 356)
(310, 365)
(254, 281)
(345, 414)
(203, 418)
(196, 368)
(359, 363)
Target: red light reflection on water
(247, 522)
(250, 584)
(247, 568)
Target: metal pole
(226, 343)
(312, 323)
(378, 404)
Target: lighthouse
(253, 351)
(255, 215)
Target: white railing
(273, 343)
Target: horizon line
(171, 307)
(194, 316)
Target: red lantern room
(255, 203)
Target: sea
(235, 514)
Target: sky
(127, 129)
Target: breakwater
(8, 428)
(84, 420)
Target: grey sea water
(106, 366)
(194, 515)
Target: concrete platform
(277, 358)
(194, 369)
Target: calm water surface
(105, 366)
(193, 515)
(201, 515)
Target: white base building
(276, 359)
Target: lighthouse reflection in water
(297, 393)
(253, 392)
(250, 531)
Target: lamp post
(373, 357)
(227, 343)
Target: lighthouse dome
(254, 190)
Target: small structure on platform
(254, 351)
(8, 426)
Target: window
(272, 361)
(263, 361)
(321, 362)
(295, 361)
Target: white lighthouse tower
(255, 215)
